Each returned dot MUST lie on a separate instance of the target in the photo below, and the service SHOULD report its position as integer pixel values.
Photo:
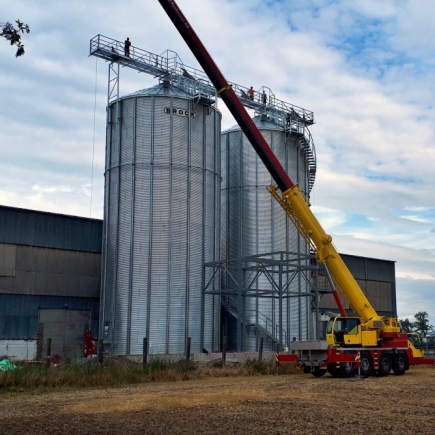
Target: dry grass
(116, 372)
(295, 403)
(188, 399)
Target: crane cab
(347, 332)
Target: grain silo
(161, 222)
(254, 225)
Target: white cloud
(416, 219)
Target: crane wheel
(347, 370)
(366, 364)
(317, 372)
(385, 364)
(332, 370)
(400, 364)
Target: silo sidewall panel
(161, 214)
(253, 222)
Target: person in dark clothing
(264, 98)
(288, 119)
(127, 45)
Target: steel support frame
(280, 268)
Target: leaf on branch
(20, 51)
(11, 34)
(23, 27)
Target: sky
(366, 68)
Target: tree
(406, 325)
(12, 34)
(421, 324)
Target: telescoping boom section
(291, 198)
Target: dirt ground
(286, 404)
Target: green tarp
(5, 366)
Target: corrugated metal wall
(43, 271)
(36, 228)
(162, 212)
(254, 223)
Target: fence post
(224, 350)
(260, 351)
(189, 339)
(48, 352)
(100, 350)
(145, 352)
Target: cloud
(415, 219)
(51, 189)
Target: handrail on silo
(144, 61)
(169, 66)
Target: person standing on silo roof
(127, 45)
(264, 98)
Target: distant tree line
(421, 324)
(13, 34)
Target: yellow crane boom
(294, 203)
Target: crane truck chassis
(369, 342)
(318, 357)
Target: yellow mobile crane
(369, 342)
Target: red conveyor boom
(228, 95)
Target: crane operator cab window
(345, 327)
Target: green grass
(115, 372)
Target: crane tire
(385, 364)
(332, 369)
(400, 364)
(366, 364)
(347, 370)
(317, 372)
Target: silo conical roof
(160, 89)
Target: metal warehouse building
(50, 268)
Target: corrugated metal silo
(162, 222)
(253, 222)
